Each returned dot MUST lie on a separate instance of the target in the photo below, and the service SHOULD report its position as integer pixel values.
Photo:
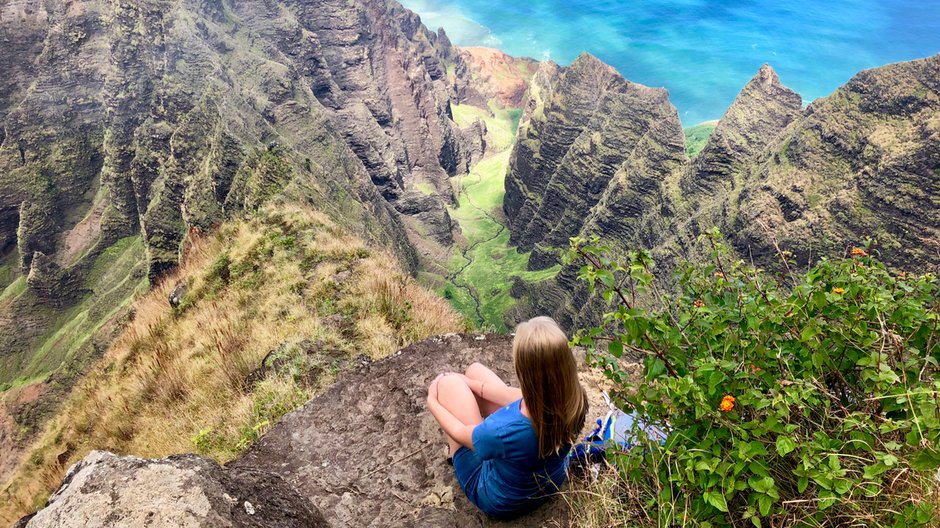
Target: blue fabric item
(617, 431)
(503, 475)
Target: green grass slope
(697, 136)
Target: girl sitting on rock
(510, 446)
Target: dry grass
(175, 380)
(605, 500)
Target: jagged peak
(587, 61)
(766, 74)
(767, 82)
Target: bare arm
(451, 425)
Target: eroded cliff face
(153, 118)
(860, 163)
(595, 155)
(762, 110)
(863, 162)
(586, 139)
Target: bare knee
(476, 370)
(450, 382)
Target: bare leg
(480, 372)
(456, 397)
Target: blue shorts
(468, 467)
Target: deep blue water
(702, 51)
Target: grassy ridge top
(286, 289)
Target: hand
(432, 388)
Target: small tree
(811, 401)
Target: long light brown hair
(548, 376)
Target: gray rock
(179, 292)
(106, 490)
(368, 453)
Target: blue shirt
(504, 475)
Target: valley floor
(483, 265)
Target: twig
(392, 463)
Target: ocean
(702, 51)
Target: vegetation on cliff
(267, 310)
(482, 266)
(804, 399)
(860, 163)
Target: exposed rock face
(754, 121)
(863, 162)
(499, 76)
(155, 117)
(762, 110)
(383, 76)
(51, 283)
(860, 163)
(185, 490)
(591, 125)
(168, 108)
(368, 453)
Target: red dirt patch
(500, 76)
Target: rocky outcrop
(185, 490)
(383, 77)
(591, 125)
(860, 163)
(497, 76)
(50, 283)
(707, 187)
(368, 453)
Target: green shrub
(811, 401)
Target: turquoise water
(703, 51)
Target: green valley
(483, 265)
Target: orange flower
(698, 303)
(838, 291)
(859, 252)
(727, 403)
(719, 274)
(755, 369)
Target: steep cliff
(816, 181)
(756, 117)
(591, 125)
(863, 162)
(155, 119)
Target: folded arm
(460, 432)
